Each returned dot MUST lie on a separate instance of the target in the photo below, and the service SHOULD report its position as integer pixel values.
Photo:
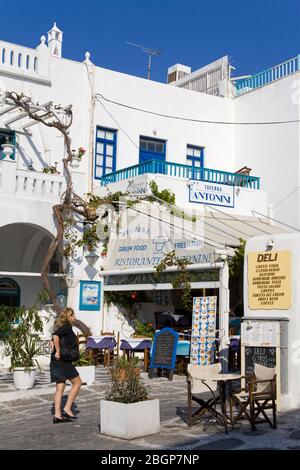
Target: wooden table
(223, 380)
(105, 343)
(132, 345)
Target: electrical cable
(204, 121)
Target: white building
(203, 126)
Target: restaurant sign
(214, 194)
(145, 239)
(269, 280)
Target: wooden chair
(106, 354)
(82, 340)
(258, 395)
(204, 393)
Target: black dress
(60, 370)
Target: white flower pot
(87, 374)
(129, 420)
(24, 379)
(7, 151)
(75, 162)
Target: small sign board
(262, 356)
(203, 330)
(269, 280)
(214, 194)
(164, 349)
(260, 333)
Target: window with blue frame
(195, 156)
(106, 151)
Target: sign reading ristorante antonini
(269, 280)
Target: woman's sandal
(69, 416)
(61, 420)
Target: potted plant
(85, 368)
(142, 329)
(52, 169)
(20, 330)
(77, 156)
(127, 412)
(121, 368)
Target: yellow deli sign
(269, 280)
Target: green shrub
(126, 386)
(84, 360)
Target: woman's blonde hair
(63, 318)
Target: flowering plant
(143, 329)
(81, 152)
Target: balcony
(268, 76)
(177, 170)
(32, 185)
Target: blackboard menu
(164, 349)
(263, 356)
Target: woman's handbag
(68, 352)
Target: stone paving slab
(26, 421)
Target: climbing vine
(182, 280)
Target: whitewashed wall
(272, 151)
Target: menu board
(263, 356)
(164, 349)
(269, 280)
(203, 330)
(260, 333)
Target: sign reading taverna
(212, 193)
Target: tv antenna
(150, 52)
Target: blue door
(152, 149)
(195, 159)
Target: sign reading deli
(269, 280)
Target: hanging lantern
(133, 295)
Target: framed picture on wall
(89, 295)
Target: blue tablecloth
(135, 345)
(183, 348)
(108, 342)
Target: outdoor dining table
(105, 343)
(223, 380)
(132, 345)
(182, 355)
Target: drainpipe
(224, 316)
(90, 67)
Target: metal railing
(178, 170)
(264, 78)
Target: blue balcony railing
(263, 78)
(178, 170)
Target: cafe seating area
(220, 402)
(213, 397)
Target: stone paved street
(26, 421)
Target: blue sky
(255, 34)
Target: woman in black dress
(62, 370)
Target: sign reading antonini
(269, 280)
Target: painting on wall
(89, 295)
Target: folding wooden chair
(204, 393)
(258, 395)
